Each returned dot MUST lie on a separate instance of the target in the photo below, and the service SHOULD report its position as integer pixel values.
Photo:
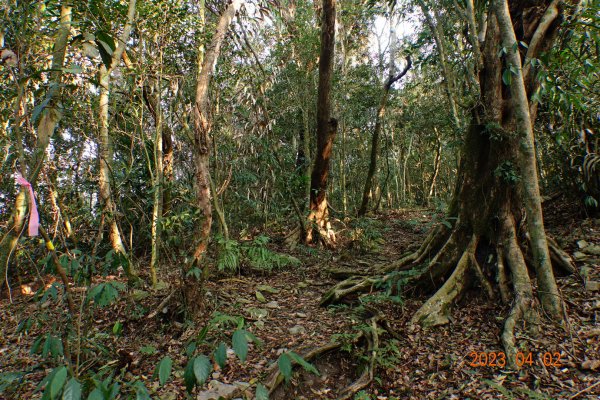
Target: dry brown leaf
(590, 364)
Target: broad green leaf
(107, 39)
(141, 393)
(285, 366)
(188, 376)
(37, 110)
(507, 77)
(190, 348)
(240, 344)
(72, 390)
(268, 289)
(73, 69)
(96, 394)
(303, 363)
(261, 392)
(58, 381)
(202, 369)
(164, 370)
(105, 293)
(260, 297)
(221, 355)
(149, 350)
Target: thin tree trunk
(157, 209)
(194, 287)
(405, 183)
(109, 209)
(441, 47)
(367, 192)
(436, 167)
(326, 130)
(168, 177)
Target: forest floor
(281, 308)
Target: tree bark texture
(109, 209)
(318, 218)
(193, 289)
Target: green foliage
(229, 255)
(240, 344)
(256, 254)
(163, 370)
(9, 380)
(507, 172)
(56, 381)
(261, 392)
(367, 234)
(260, 257)
(284, 363)
(197, 372)
(221, 355)
(72, 390)
(52, 346)
(362, 395)
(105, 293)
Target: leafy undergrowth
(281, 309)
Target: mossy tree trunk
(496, 190)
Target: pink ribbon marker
(34, 217)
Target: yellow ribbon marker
(49, 245)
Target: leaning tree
(496, 211)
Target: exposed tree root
(560, 258)
(505, 293)
(435, 238)
(524, 301)
(435, 310)
(450, 258)
(366, 377)
(351, 285)
(372, 338)
(485, 284)
(275, 377)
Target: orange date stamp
(498, 359)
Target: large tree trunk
(197, 273)
(48, 122)
(496, 189)
(318, 218)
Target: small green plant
(284, 364)
(229, 255)
(366, 234)
(232, 255)
(259, 256)
(507, 172)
